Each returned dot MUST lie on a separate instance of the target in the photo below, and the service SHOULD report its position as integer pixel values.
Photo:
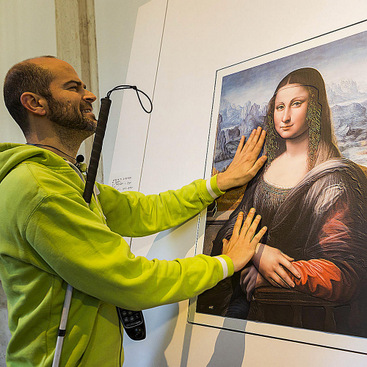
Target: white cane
(62, 328)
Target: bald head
(51, 63)
(32, 75)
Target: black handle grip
(97, 148)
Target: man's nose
(89, 96)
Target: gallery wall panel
(197, 39)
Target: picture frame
(240, 98)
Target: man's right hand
(241, 246)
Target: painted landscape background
(343, 65)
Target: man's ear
(34, 103)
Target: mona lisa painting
(310, 271)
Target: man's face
(70, 105)
(75, 116)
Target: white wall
(115, 25)
(175, 54)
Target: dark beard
(69, 116)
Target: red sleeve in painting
(321, 277)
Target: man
(49, 237)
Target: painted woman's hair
(322, 141)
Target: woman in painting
(313, 201)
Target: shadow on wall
(229, 349)
(170, 244)
(161, 321)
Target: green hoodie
(50, 237)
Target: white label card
(125, 181)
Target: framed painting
(308, 281)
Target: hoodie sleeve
(133, 214)
(80, 248)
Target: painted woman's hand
(241, 246)
(245, 163)
(272, 263)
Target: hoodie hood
(12, 155)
